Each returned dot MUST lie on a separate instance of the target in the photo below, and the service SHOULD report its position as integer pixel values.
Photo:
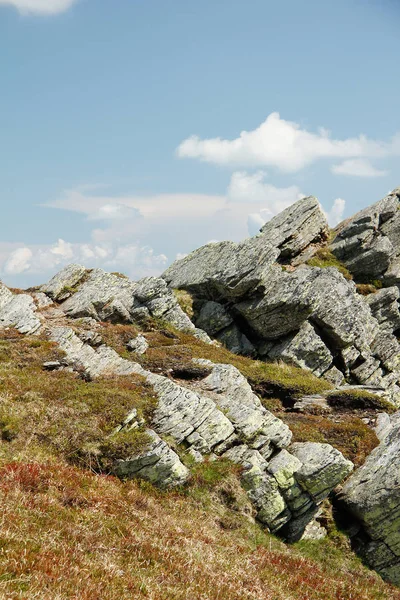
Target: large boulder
(19, 311)
(111, 297)
(258, 297)
(231, 270)
(297, 227)
(369, 242)
(372, 496)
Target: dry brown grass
(70, 535)
(66, 533)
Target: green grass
(324, 258)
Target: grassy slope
(68, 533)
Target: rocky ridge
(258, 297)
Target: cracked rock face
(106, 296)
(221, 416)
(369, 242)
(19, 311)
(372, 496)
(310, 317)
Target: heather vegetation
(126, 539)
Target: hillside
(226, 431)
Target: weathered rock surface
(372, 496)
(297, 227)
(139, 344)
(61, 286)
(221, 416)
(228, 270)
(158, 464)
(310, 317)
(19, 311)
(369, 242)
(106, 296)
(95, 362)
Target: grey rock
(233, 339)
(182, 413)
(19, 311)
(384, 306)
(95, 362)
(160, 301)
(103, 296)
(298, 226)
(322, 295)
(312, 404)
(323, 468)
(304, 349)
(213, 317)
(60, 286)
(369, 241)
(283, 466)
(333, 375)
(139, 344)
(233, 394)
(225, 270)
(42, 300)
(232, 270)
(52, 365)
(314, 530)
(158, 464)
(372, 496)
(108, 297)
(93, 338)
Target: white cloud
(141, 235)
(335, 215)
(134, 259)
(18, 261)
(251, 187)
(284, 145)
(358, 167)
(43, 7)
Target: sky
(134, 131)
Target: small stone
(139, 344)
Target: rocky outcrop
(158, 464)
(369, 242)
(220, 416)
(372, 496)
(19, 311)
(115, 298)
(138, 345)
(257, 298)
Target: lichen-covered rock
(304, 349)
(213, 317)
(95, 362)
(323, 468)
(110, 297)
(369, 241)
(19, 311)
(186, 415)
(236, 341)
(139, 344)
(295, 228)
(384, 305)
(372, 496)
(157, 463)
(62, 285)
(224, 269)
(232, 270)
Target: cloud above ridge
(40, 7)
(283, 145)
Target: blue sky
(100, 102)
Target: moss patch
(324, 258)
